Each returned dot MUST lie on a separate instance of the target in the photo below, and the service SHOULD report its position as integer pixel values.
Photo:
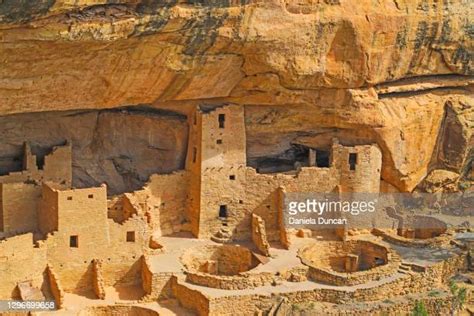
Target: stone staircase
(224, 234)
(405, 268)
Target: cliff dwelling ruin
(149, 151)
(212, 224)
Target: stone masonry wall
(55, 287)
(259, 235)
(19, 207)
(365, 177)
(118, 245)
(20, 261)
(167, 201)
(57, 168)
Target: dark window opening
(40, 153)
(40, 162)
(322, 158)
(352, 161)
(223, 211)
(241, 202)
(288, 161)
(69, 198)
(131, 236)
(194, 154)
(221, 120)
(232, 177)
(74, 241)
(219, 141)
(90, 196)
(195, 118)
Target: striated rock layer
(396, 72)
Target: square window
(219, 141)
(69, 198)
(90, 196)
(232, 177)
(223, 211)
(131, 236)
(322, 158)
(74, 241)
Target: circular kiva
(223, 267)
(418, 231)
(421, 227)
(348, 262)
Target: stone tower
(217, 160)
(359, 167)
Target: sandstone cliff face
(397, 72)
(119, 147)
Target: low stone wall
(55, 287)
(422, 227)
(250, 305)
(247, 280)
(189, 298)
(97, 279)
(412, 283)
(235, 282)
(353, 278)
(439, 241)
(155, 285)
(321, 271)
(259, 235)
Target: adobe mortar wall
(366, 176)
(99, 238)
(219, 177)
(251, 192)
(393, 237)
(48, 212)
(249, 305)
(189, 298)
(20, 261)
(237, 282)
(155, 285)
(98, 283)
(19, 207)
(55, 287)
(232, 150)
(262, 192)
(168, 201)
(399, 287)
(259, 235)
(57, 168)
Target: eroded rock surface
(119, 147)
(398, 73)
